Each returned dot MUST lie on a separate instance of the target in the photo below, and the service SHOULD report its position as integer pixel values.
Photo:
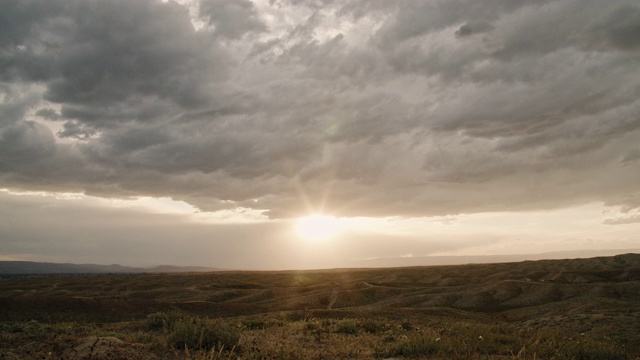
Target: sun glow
(318, 227)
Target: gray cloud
(48, 113)
(623, 220)
(232, 19)
(93, 55)
(472, 28)
(617, 29)
(363, 108)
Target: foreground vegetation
(285, 337)
(578, 309)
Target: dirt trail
(334, 297)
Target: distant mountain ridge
(485, 259)
(42, 268)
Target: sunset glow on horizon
(318, 227)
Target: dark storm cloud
(24, 145)
(360, 107)
(48, 113)
(617, 29)
(472, 28)
(102, 53)
(232, 19)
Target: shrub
(311, 326)
(203, 334)
(347, 327)
(416, 347)
(161, 320)
(300, 315)
(406, 326)
(30, 328)
(157, 321)
(254, 324)
(372, 326)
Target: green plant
(312, 326)
(212, 354)
(254, 324)
(372, 326)
(347, 327)
(31, 328)
(406, 326)
(416, 347)
(162, 320)
(203, 334)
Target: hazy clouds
(365, 108)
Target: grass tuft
(203, 334)
(416, 347)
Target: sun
(318, 227)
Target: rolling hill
(595, 297)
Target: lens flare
(318, 227)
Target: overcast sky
(199, 132)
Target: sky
(291, 134)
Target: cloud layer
(357, 108)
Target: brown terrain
(550, 309)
